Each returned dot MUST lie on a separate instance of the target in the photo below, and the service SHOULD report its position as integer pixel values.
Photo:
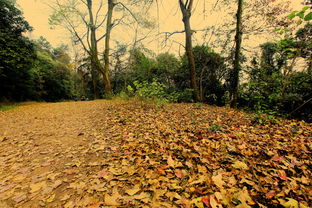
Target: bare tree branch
(98, 11)
(128, 10)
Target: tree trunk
(186, 9)
(237, 67)
(94, 83)
(108, 88)
(95, 62)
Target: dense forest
(269, 80)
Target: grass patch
(7, 107)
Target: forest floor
(131, 154)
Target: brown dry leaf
(19, 198)
(102, 174)
(172, 195)
(171, 162)
(179, 173)
(290, 203)
(65, 197)
(218, 180)
(214, 202)
(142, 195)
(57, 183)
(244, 196)
(133, 191)
(77, 185)
(51, 198)
(69, 204)
(197, 202)
(112, 200)
(70, 171)
(37, 186)
(240, 165)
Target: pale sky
(37, 14)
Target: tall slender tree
(186, 9)
(236, 64)
(64, 15)
(111, 5)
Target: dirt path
(42, 147)
(118, 154)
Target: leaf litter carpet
(131, 154)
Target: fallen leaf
(206, 200)
(218, 180)
(65, 197)
(70, 171)
(69, 204)
(142, 195)
(37, 186)
(172, 195)
(244, 197)
(214, 202)
(291, 203)
(171, 162)
(198, 202)
(20, 197)
(179, 173)
(133, 191)
(102, 173)
(51, 198)
(112, 200)
(240, 165)
(270, 194)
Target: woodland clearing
(132, 154)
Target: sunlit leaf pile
(134, 154)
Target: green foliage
(275, 86)
(16, 54)
(147, 90)
(30, 70)
(264, 119)
(303, 15)
(123, 95)
(211, 72)
(171, 73)
(53, 79)
(216, 128)
(8, 107)
(11, 19)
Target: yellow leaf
(198, 202)
(218, 180)
(37, 186)
(133, 191)
(112, 200)
(291, 203)
(124, 162)
(69, 204)
(51, 198)
(214, 202)
(65, 197)
(301, 205)
(142, 195)
(244, 197)
(170, 162)
(240, 165)
(172, 195)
